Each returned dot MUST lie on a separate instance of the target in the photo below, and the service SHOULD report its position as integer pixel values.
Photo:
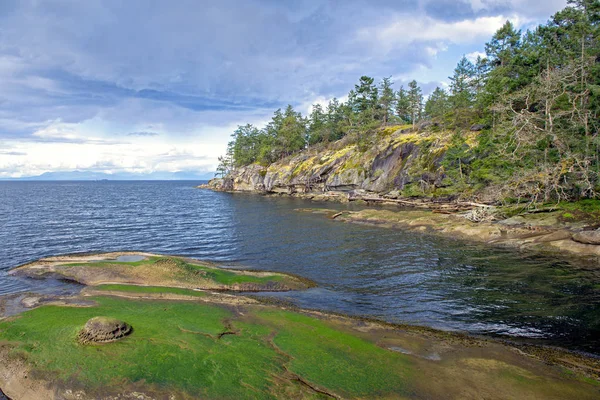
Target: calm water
(392, 275)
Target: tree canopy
(537, 93)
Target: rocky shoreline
(522, 234)
(543, 231)
(253, 340)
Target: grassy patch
(174, 271)
(207, 350)
(337, 360)
(150, 289)
(588, 206)
(226, 277)
(176, 346)
(108, 263)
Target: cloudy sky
(143, 86)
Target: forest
(534, 98)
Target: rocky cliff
(402, 162)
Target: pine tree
(226, 162)
(504, 45)
(480, 77)
(462, 84)
(502, 53)
(387, 99)
(292, 133)
(415, 101)
(403, 105)
(336, 127)
(438, 104)
(366, 95)
(317, 121)
(245, 146)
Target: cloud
(59, 132)
(94, 82)
(474, 55)
(402, 31)
(143, 134)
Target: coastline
(542, 232)
(433, 363)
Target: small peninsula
(155, 270)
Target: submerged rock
(103, 330)
(588, 237)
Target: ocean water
(392, 275)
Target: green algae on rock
(157, 270)
(204, 344)
(187, 350)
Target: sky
(141, 86)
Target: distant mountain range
(98, 176)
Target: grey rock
(427, 124)
(478, 127)
(587, 237)
(103, 330)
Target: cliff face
(400, 161)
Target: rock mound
(588, 237)
(103, 330)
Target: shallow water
(389, 274)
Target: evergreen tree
(245, 145)
(438, 104)
(226, 162)
(336, 117)
(504, 45)
(292, 134)
(365, 95)
(462, 84)
(415, 101)
(403, 105)
(481, 70)
(501, 53)
(387, 99)
(317, 126)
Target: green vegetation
(366, 370)
(583, 210)
(234, 347)
(166, 271)
(223, 276)
(587, 210)
(108, 263)
(149, 289)
(212, 350)
(533, 102)
(590, 206)
(181, 346)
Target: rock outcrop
(103, 330)
(588, 237)
(400, 160)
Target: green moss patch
(206, 351)
(216, 351)
(149, 289)
(164, 271)
(338, 360)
